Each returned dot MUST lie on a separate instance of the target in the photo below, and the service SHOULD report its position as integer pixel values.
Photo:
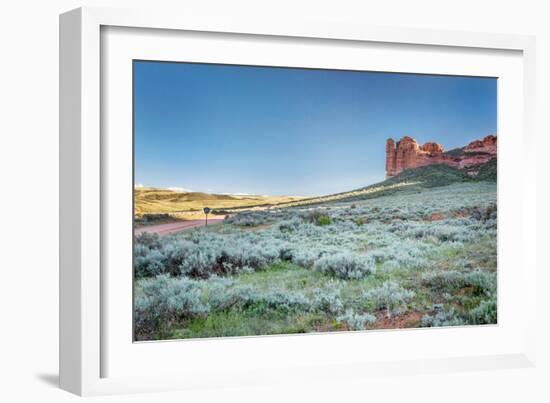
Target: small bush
(290, 225)
(485, 313)
(444, 281)
(246, 298)
(219, 255)
(442, 317)
(327, 299)
(148, 262)
(344, 265)
(324, 220)
(175, 253)
(390, 296)
(357, 321)
(162, 301)
(304, 257)
(233, 298)
(317, 217)
(248, 219)
(286, 253)
(202, 262)
(148, 239)
(482, 283)
(279, 301)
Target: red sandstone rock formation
(407, 154)
(487, 145)
(390, 158)
(432, 148)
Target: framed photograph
(279, 202)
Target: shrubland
(427, 257)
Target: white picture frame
(91, 361)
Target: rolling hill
(165, 201)
(158, 201)
(409, 181)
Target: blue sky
(283, 131)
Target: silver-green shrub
(289, 225)
(148, 262)
(259, 302)
(389, 296)
(328, 299)
(485, 313)
(442, 317)
(248, 219)
(445, 281)
(482, 282)
(346, 265)
(148, 239)
(305, 257)
(356, 321)
(162, 301)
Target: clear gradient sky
(286, 131)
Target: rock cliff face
(407, 154)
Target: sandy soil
(170, 228)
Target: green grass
(430, 176)
(236, 323)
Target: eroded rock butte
(407, 154)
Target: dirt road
(170, 228)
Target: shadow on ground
(49, 379)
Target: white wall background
(29, 196)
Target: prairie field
(189, 205)
(413, 256)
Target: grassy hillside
(430, 176)
(149, 200)
(152, 200)
(407, 182)
(488, 172)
